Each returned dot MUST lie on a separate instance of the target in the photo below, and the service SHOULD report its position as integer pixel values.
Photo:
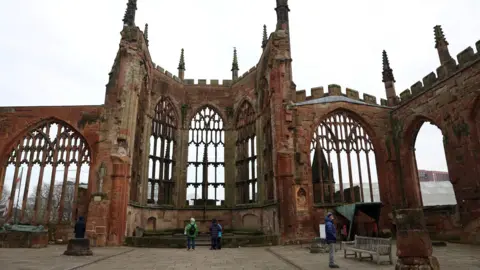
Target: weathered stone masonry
(288, 199)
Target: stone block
(353, 94)
(383, 102)
(417, 88)
(369, 99)
(334, 90)
(227, 82)
(465, 56)
(189, 81)
(202, 82)
(213, 82)
(170, 75)
(405, 95)
(301, 95)
(317, 92)
(78, 247)
(429, 80)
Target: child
(219, 240)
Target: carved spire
(441, 45)
(265, 38)
(145, 33)
(282, 14)
(389, 81)
(387, 70)
(235, 65)
(129, 18)
(181, 64)
(440, 39)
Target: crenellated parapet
(212, 82)
(336, 90)
(464, 59)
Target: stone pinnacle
(440, 39)
(181, 64)
(387, 70)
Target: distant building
(433, 176)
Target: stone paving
(457, 257)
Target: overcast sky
(57, 52)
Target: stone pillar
(414, 248)
(180, 176)
(119, 201)
(260, 159)
(230, 168)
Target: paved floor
(456, 257)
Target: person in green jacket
(191, 231)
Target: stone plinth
(414, 247)
(78, 247)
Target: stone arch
(246, 154)
(48, 144)
(242, 103)
(365, 124)
(411, 179)
(342, 148)
(162, 152)
(194, 111)
(152, 224)
(206, 157)
(171, 101)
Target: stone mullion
(145, 168)
(230, 168)
(29, 175)
(260, 168)
(68, 141)
(54, 174)
(180, 169)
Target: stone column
(230, 170)
(118, 200)
(414, 248)
(180, 173)
(260, 158)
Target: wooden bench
(372, 245)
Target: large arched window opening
(161, 158)
(206, 167)
(246, 184)
(343, 162)
(431, 166)
(45, 173)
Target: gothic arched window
(161, 158)
(246, 161)
(45, 173)
(342, 157)
(205, 169)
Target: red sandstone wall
(262, 219)
(450, 105)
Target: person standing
(214, 229)
(191, 231)
(219, 240)
(80, 227)
(331, 233)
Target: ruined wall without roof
(16, 122)
(373, 118)
(449, 100)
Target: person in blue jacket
(331, 234)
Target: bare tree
(56, 199)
